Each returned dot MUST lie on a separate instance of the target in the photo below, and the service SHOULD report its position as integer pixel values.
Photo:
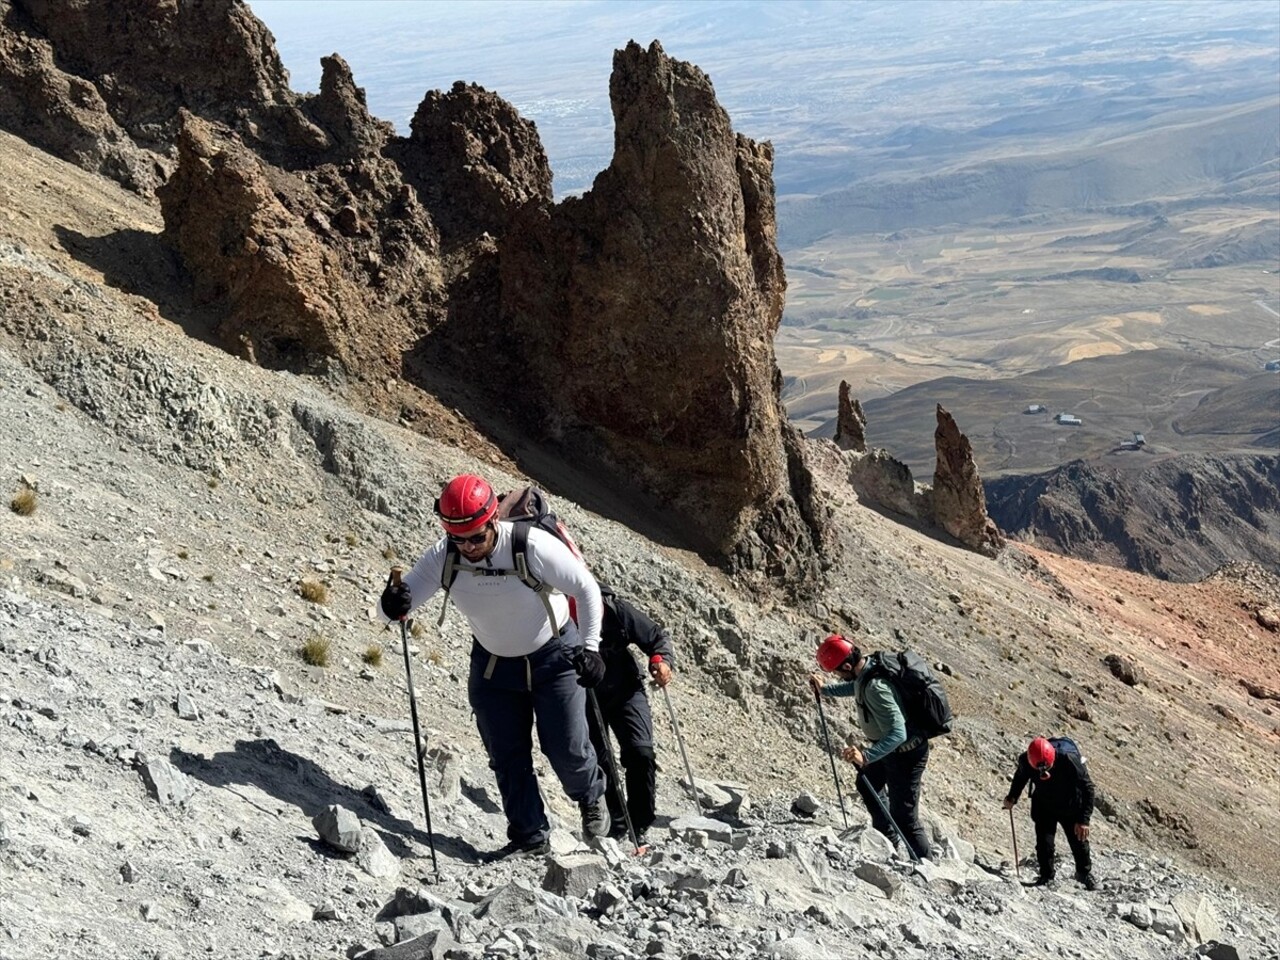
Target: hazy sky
(810, 75)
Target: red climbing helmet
(834, 651)
(466, 503)
(1040, 755)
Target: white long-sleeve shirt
(506, 617)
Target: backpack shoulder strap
(448, 573)
(520, 560)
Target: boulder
(575, 875)
(339, 828)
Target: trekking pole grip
(396, 574)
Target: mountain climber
(521, 673)
(1061, 794)
(895, 760)
(625, 707)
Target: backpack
(526, 507)
(924, 701)
(1066, 747)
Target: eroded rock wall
(648, 308)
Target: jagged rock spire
(851, 422)
(649, 307)
(959, 503)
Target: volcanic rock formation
(106, 91)
(648, 307)
(851, 422)
(959, 506)
(641, 316)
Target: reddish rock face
(649, 306)
(959, 505)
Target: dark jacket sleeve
(639, 629)
(1085, 786)
(1020, 777)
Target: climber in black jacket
(626, 707)
(1061, 794)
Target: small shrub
(207, 578)
(435, 656)
(316, 651)
(351, 539)
(372, 655)
(416, 629)
(313, 591)
(213, 483)
(183, 555)
(389, 553)
(24, 502)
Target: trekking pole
(822, 717)
(613, 771)
(675, 725)
(419, 748)
(1017, 869)
(902, 837)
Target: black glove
(396, 602)
(590, 667)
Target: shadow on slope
(303, 783)
(137, 262)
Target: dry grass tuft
(313, 591)
(389, 553)
(435, 656)
(24, 502)
(372, 655)
(316, 651)
(416, 629)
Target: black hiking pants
(1046, 830)
(899, 774)
(626, 714)
(509, 696)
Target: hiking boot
(1088, 882)
(1044, 880)
(518, 849)
(595, 818)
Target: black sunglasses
(474, 540)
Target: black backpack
(924, 701)
(526, 507)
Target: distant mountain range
(1179, 518)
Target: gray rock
(128, 872)
(186, 706)
(575, 875)
(166, 783)
(805, 805)
(684, 827)
(413, 925)
(373, 856)
(878, 876)
(408, 901)
(608, 897)
(518, 902)
(1165, 922)
(429, 946)
(325, 911)
(339, 827)
(1198, 916)
(1220, 951)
